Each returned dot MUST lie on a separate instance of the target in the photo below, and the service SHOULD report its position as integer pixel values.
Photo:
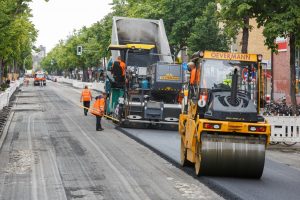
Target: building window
(297, 63)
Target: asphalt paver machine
(222, 131)
(149, 95)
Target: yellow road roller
(222, 131)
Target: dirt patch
(20, 162)
(189, 191)
(86, 193)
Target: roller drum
(232, 155)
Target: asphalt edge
(10, 116)
(6, 127)
(226, 194)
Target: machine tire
(183, 159)
(198, 159)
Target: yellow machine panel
(230, 56)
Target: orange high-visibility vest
(197, 77)
(98, 107)
(86, 95)
(193, 76)
(123, 67)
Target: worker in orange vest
(118, 71)
(98, 110)
(86, 97)
(122, 65)
(194, 78)
(192, 68)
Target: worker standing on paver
(98, 110)
(86, 97)
(119, 71)
(122, 65)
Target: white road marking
(34, 190)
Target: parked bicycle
(285, 143)
(279, 108)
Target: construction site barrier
(81, 85)
(98, 86)
(284, 128)
(5, 96)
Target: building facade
(37, 58)
(276, 67)
(281, 71)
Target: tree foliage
(17, 33)
(236, 15)
(206, 34)
(183, 23)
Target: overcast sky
(56, 19)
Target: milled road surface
(281, 178)
(52, 151)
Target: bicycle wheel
(289, 143)
(274, 143)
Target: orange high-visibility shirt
(86, 95)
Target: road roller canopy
(131, 46)
(217, 69)
(141, 55)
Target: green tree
(206, 34)
(182, 19)
(236, 15)
(17, 33)
(179, 16)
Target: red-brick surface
(281, 75)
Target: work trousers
(98, 122)
(87, 105)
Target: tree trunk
(2, 63)
(272, 74)
(1, 71)
(84, 75)
(293, 73)
(245, 36)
